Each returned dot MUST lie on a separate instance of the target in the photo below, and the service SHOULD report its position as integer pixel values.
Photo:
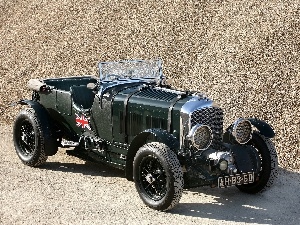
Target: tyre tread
(274, 162)
(39, 157)
(171, 160)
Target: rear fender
(147, 136)
(46, 123)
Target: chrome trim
(218, 156)
(235, 127)
(196, 102)
(192, 133)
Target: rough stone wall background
(243, 54)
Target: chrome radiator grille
(212, 117)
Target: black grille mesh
(243, 131)
(157, 94)
(212, 117)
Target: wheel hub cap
(150, 179)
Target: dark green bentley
(131, 118)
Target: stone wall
(243, 54)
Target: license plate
(237, 179)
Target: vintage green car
(131, 118)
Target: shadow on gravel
(278, 205)
(88, 168)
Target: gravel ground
(67, 190)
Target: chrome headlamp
(223, 164)
(201, 136)
(242, 131)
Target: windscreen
(137, 69)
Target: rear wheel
(28, 139)
(158, 176)
(269, 165)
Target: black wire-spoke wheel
(158, 176)
(269, 165)
(153, 178)
(28, 139)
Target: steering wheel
(113, 75)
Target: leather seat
(82, 97)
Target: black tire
(269, 165)
(28, 139)
(158, 176)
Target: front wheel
(28, 139)
(158, 176)
(269, 165)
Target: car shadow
(87, 168)
(275, 206)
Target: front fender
(46, 124)
(263, 127)
(148, 135)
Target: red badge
(82, 122)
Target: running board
(68, 144)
